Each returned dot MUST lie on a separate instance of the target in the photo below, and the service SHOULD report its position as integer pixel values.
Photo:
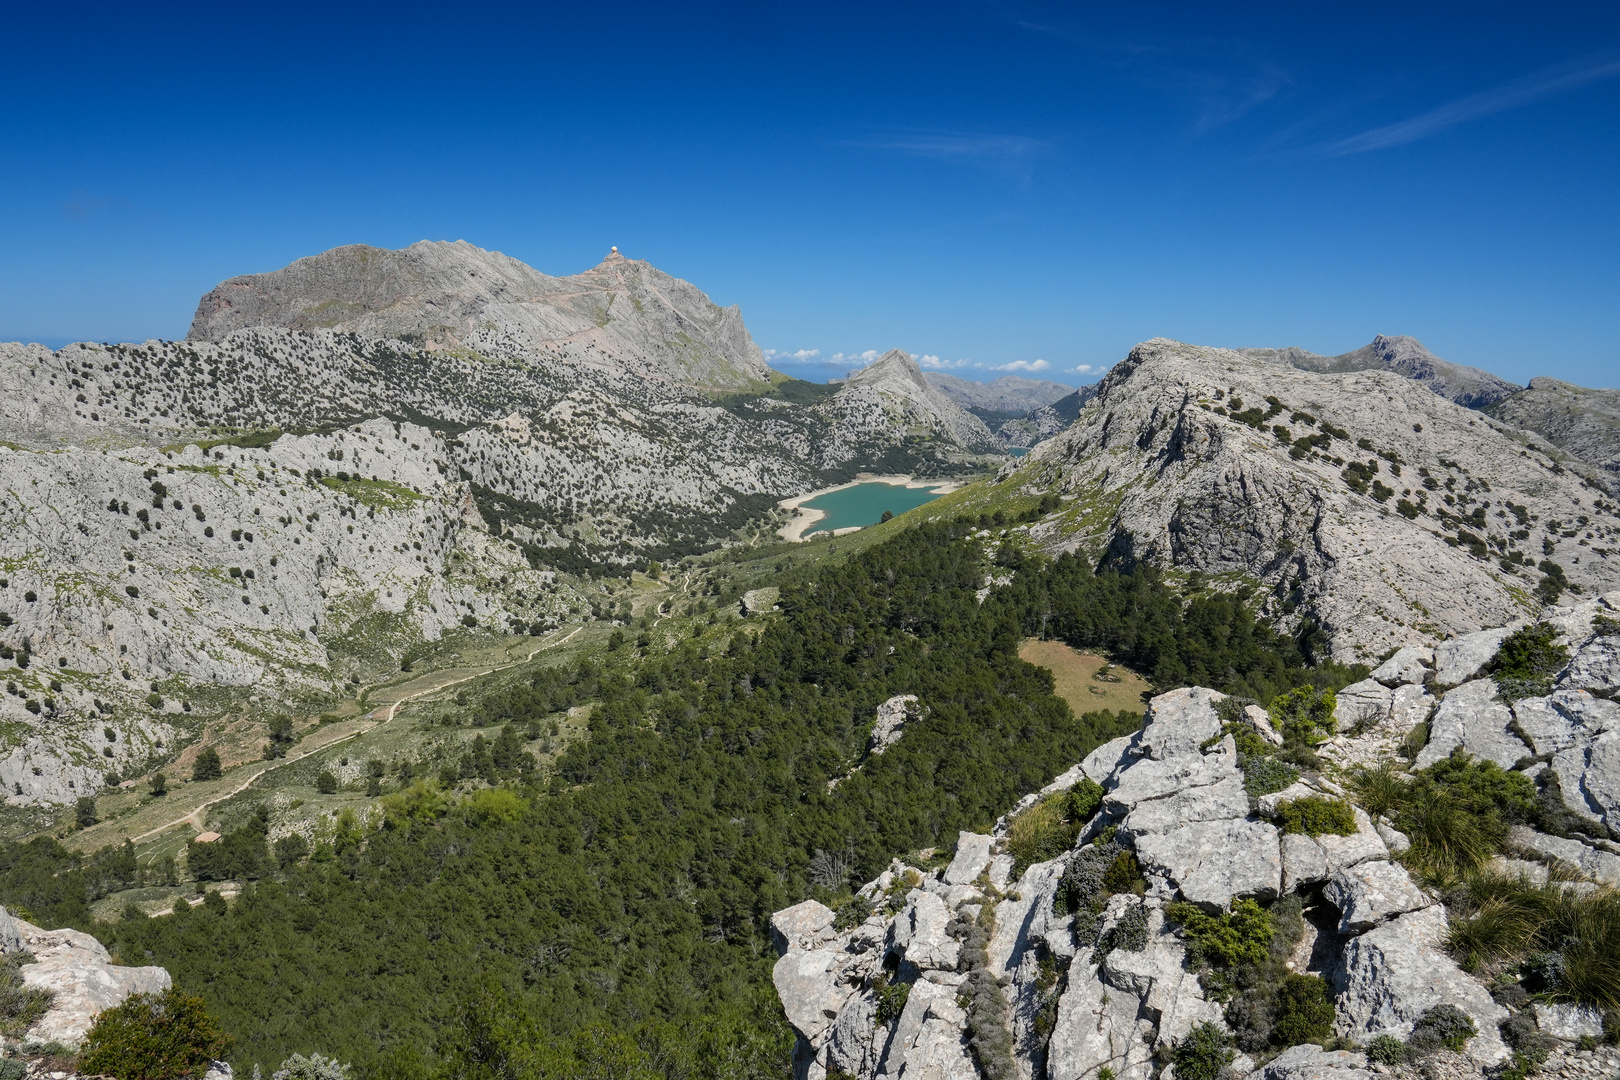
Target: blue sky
(1001, 186)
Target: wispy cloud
(1012, 154)
(934, 363)
(1543, 84)
(800, 356)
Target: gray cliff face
(456, 295)
(146, 590)
(1421, 520)
(1115, 989)
(1007, 394)
(1405, 356)
(891, 402)
(1583, 422)
(76, 970)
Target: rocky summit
(1361, 501)
(1105, 958)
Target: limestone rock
(1303, 862)
(1599, 865)
(1372, 893)
(1361, 704)
(1098, 1026)
(891, 718)
(1409, 665)
(972, 858)
(920, 933)
(76, 970)
(801, 926)
(1471, 717)
(1310, 1062)
(1215, 862)
(810, 988)
(1394, 973)
(1569, 1022)
(1179, 721)
(1102, 763)
(1459, 660)
(928, 1040)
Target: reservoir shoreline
(807, 517)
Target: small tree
(207, 766)
(160, 785)
(326, 783)
(154, 1037)
(84, 812)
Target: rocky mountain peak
(622, 313)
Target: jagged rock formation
(1404, 356)
(1006, 394)
(75, 968)
(1583, 422)
(1379, 509)
(1087, 991)
(456, 295)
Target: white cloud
(802, 356)
(1023, 365)
(934, 363)
(1083, 369)
(860, 359)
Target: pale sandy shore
(806, 517)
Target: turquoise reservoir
(1017, 451)
(863, 505)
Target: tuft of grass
(1565, 942)
(1050, 827)
(1381, 790)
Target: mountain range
(350, 457)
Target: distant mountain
(1583, 422)
(1046, 421)
(454, 295)
(1007, 394)
(1467, 386)
(892, 403)
(1381, 512)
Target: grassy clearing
(1088, 682)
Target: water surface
(863, 505)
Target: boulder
(1308, 1061)
(1371, 893)
(801, 926)
(1213, 862)
(1179, 722)
(1460, 659)
(1102, 763)
(1569, 1022)
(1471, 717)
(811, 989)
(1303, 862)
(1022, 922)
(920, 933)
(891, 718)
(1599, 865)
(850, 1041)
(1098, 1026)
(75, 968)
(1409, 706)
(1262, 724)
(1395, 840)
(972, 859)
(1361, 705)
(1360, 846)
(1158, 977)
(1391, 975)
(1595, 666)
(929, 1039)
(1409, 665)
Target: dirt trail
(313, 744)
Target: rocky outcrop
(1404, 356)
(890, 402)
(1383, 512)
(457, 295)
(1043, 423)
(1006, 394)
(76, 970)
(1583, 422)
(1107, 987)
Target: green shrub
(1442, 1026)
(1082, 885)
(153, 1037)
(1304, 716)
(1314, 815)
(1203, 1054)
(1050, 827)
(1386, 1050)
(20, 1006)
(1240, 936)
(891, 1001)
(1128, 933)
(1527, 660)
(207, 766)
(326, 783)
(1457, 813)
(1123, 874)
(1266, 775)
(1304, 1011)
(856, 911)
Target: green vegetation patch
(1527, 660)
(1049, 828)
(1314, 815)
(377, 494)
